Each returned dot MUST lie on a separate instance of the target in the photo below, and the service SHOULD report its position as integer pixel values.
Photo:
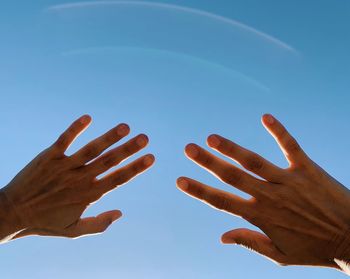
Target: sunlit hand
(303, 211)
(50, 194)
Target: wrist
(10, 221)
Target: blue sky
(177, 71)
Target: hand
(303, 211)
(51, 193)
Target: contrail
(198, 12)
(238, 74)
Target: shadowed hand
(51, 193)
(303, 212)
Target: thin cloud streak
(99, 49)
(198, 12)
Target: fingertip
(182, 183)
(123, 129)
(227, 239)
(214, 140)
(268, 119)
(191, 150)
(109, 216)
(85, 119)
(115, 215)
(223, 241)
(142, 140)
(149, 160)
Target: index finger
(216, 198)
(100, 144)
(289, 145)
(68, 136)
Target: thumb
(256, 242)
(94, 225)
(83, 227)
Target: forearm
(10, 223)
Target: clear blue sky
(178, 71)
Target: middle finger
(117, 155)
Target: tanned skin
(51, 193)
(303, 212)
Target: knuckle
(231, 177)
(254, 244)
(282, 199)
(90, 152)
(222, 202)
(76, 127)
(292, 145)
(119, 179)
(109, 160)
(230, 148)
(254, 163)
(110, 137)
(102, 227)
(198, 192)
(128, 148)
(136, 168)
(282, 133)
(207, 160)
(61, 141)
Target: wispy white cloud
(198, 12)
(101, 49)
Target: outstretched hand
(51, 193)
(302, 210)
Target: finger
(246, 158)
(85, 226)
(97, 146)
(290, 147)
(93, 225)
(118, 155)
(68, 137)
(255, 241)
(224, 171)
(124, 174)
(216, 198)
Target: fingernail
(192, 150)
(148, 160)
(214, 141)
(269, 119)
(85, 119)
(117, 215)
(142, 140)
(182, 183)
(123, 129)
(226, 240)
